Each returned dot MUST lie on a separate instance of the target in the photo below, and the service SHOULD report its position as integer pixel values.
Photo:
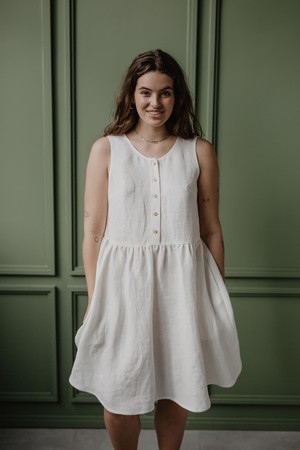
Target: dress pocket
(78, 335)
(219, 284)
(213, 267)
(79, 331)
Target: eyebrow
(164, 89)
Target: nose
(155, 101)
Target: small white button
(154, 163)
(155, 195)
(155, 213)
(154, 179)
(155, 231)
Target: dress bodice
(153, 201)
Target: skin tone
(208, 202)
(154, 100)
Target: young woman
(159, 325)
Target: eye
(166, 93)
(145, 93)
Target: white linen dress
(160, 324)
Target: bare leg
(170, 420)
(123, 430)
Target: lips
(155, 113)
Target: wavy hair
(182, 121)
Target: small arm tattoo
(86, 214)
(205, 200)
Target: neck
(152, 134)
(152, 141)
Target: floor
(86, 439)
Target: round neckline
(149, 157)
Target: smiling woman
(182, 122)
(159, 326)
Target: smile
(154, 113)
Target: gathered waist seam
(149, 245)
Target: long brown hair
(182, 122)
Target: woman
(159, 326)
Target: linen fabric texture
(160, 324)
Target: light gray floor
(86, 439)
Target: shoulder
(101, 147)
(206, 154)
(100, 154)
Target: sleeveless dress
(160, 324)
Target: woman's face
(154, 98)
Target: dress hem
(146, 410)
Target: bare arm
(208, 202)
(95, 209)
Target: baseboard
(194, 422)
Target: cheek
(171, 104)
(140, 106)
(140, 102)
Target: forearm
(214, 241)
(90, 250)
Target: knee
(170, 405)
(113, 418)
(117, 420)
(171, 410)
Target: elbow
(92, 235)
(207, 233)
(93, 228)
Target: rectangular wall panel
(269, 337)
(26, 172)
(257, 136)
(28, 370)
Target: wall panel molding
(49, 221)
(207, 67)
(257, 106)
(77, 311)
(40, 117)
(252, 399)
(191, 47)
(195, 422)
(38, 337)
(75, 269)
(269, 317)
(265, 272)
(254, 291)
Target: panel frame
(207, 67)
(250, 399)
(43, 396)
(208, 75)
(48, 149)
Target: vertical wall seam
(191, 45)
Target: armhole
(110, 140)
(194, 143)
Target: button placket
(155, 201)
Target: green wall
(62, 62)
